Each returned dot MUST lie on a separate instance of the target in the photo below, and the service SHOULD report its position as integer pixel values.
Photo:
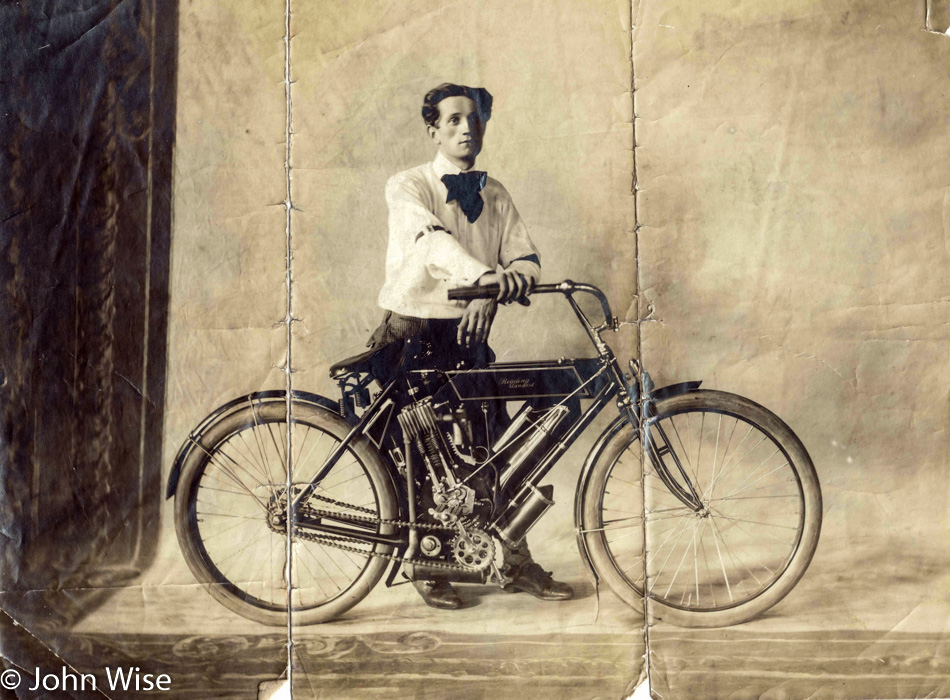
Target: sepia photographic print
(575, 349)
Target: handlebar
(567, 288)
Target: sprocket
(472, 549)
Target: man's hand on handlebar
(478, 315)
(512, 286)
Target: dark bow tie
(465, 188)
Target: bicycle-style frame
(599, 379)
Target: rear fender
(270, 396)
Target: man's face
(459, 131)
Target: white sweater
(434, 248)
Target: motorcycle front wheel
(744, 542)
(231, 514)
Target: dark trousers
(407, 342)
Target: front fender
(583, 481)
(672, 390)
(269, 396)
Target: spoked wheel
(733, 510)
(231, 513)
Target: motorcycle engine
(451, 487)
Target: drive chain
(336, 540)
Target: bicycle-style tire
(236, 468)
(744, 551)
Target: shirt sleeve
(518, 252)
(421, 236)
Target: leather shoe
(532, 579)
(438, 594)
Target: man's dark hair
(480, 96)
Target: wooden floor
(699, 665)
(739, 665)
(421, 665)
(427, 665)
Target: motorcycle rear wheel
(235, 481)
(747, 546)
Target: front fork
(658, 445)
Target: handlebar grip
(488, 291)
(568, 288)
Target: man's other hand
(476, 322)
(512, 286)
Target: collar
(443, 166)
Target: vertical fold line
(635, 187)
(288, 325)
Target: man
(452, 226)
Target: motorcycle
(292, 506)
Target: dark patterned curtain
(87, 98)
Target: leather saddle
(358, 363)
